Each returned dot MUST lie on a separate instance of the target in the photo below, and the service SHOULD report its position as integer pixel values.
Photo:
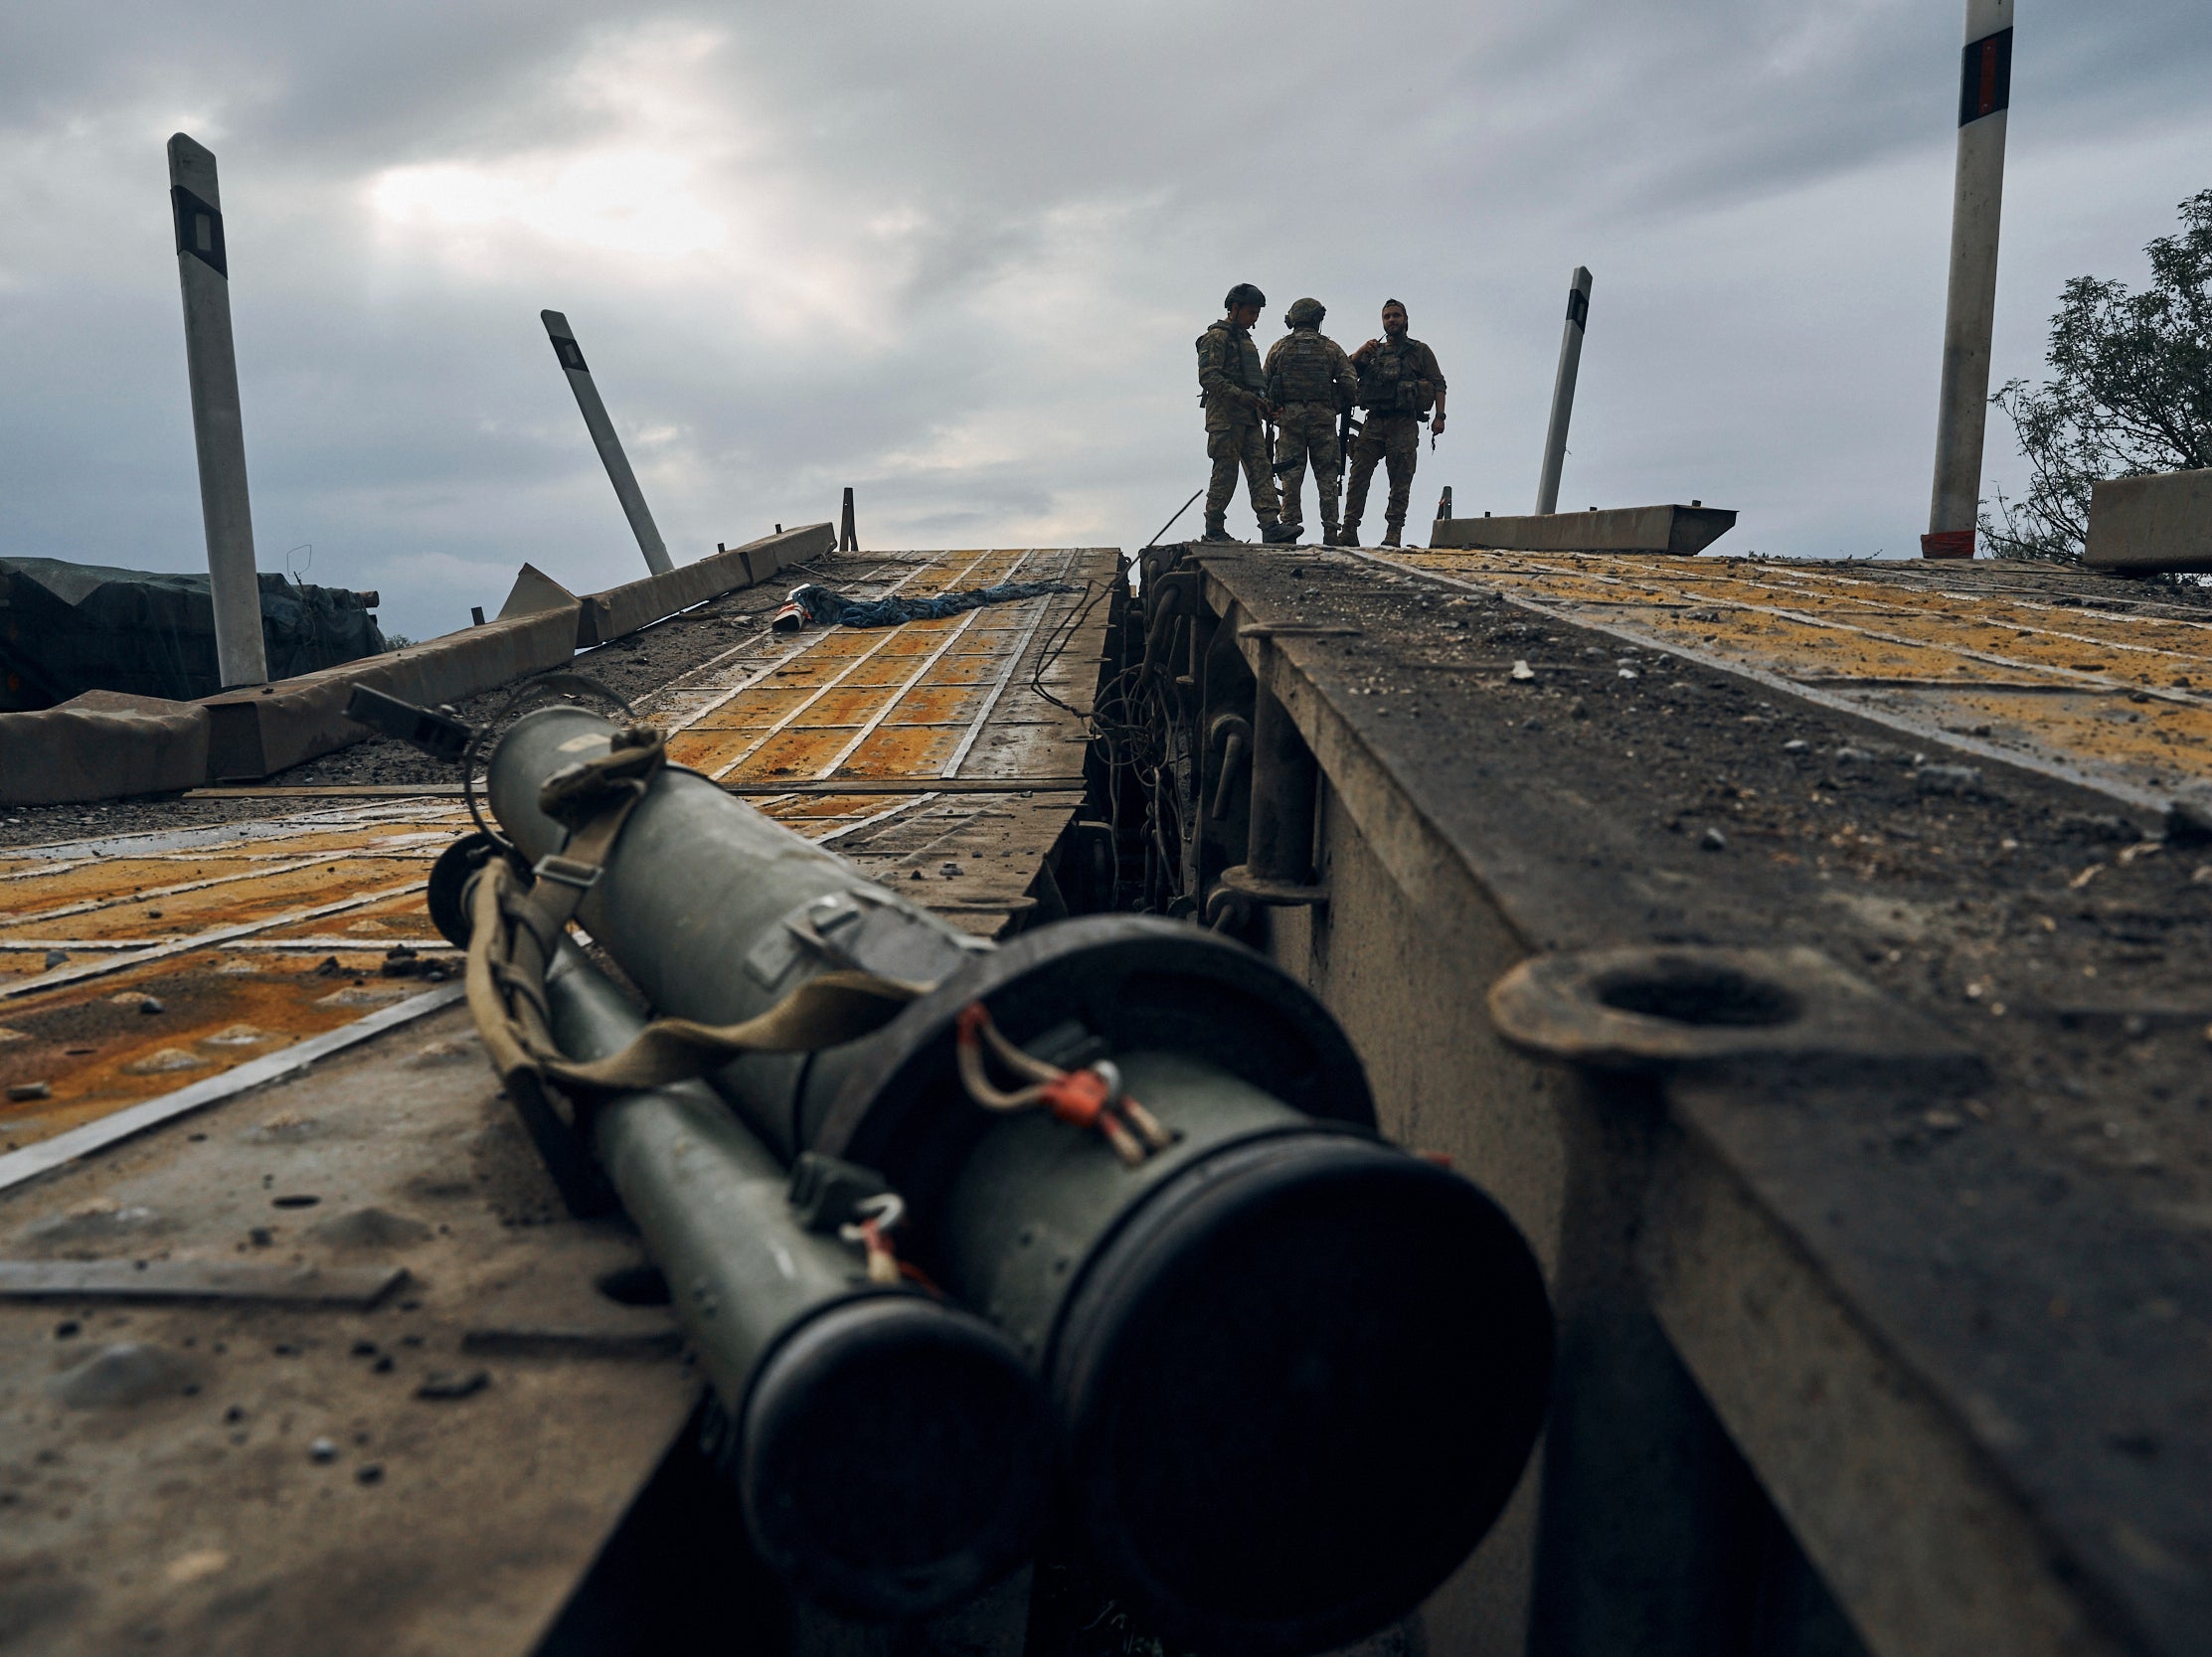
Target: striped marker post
(1969, 312)
(1563, 390)
(217, 429)
(601, 428)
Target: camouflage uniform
(1310, 382)
(1398, 385)
(1232, 383)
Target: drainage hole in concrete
(1702, 996)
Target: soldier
(1398, 380)
(1233, 389)
(1310, 382)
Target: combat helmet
(1243, 293)
(1306, 313)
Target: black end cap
(448, 894)
(1300, 1386)
(896, 1458)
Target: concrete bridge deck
(1896, 1342)
(348, 1381)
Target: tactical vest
(1239, 359)
(1390, 381)
(1302, 371)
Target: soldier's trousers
(1395, 440)
(1308, 432)
(1241, 446)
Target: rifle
(1279, 466)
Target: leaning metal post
(603, 440)
(217, 429)
(1969, 312)
(1563, 390)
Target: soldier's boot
(1281, 534)
(1217, 527)
(1391, 527)
(1348, 536)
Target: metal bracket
(826, 1189)
(437, 732)
(567, 871)
(1258, 888)
(1664, 1009)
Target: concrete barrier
(1682, 531)
(102, 745)
(255, 733)
(2150, 525)
(99, 746)
(639, 603)
(534, 591)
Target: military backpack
(1390, 381)
(1302, 371)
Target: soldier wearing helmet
(1311, 384)
(1398, 382)
(1234, 387)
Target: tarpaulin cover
(66, 628)
(830, 609)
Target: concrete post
(1563, 390)
(1985, 92)
(603, 440)
(218, 431)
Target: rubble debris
(1947, 780)
(453, 1384)
(122, 1374)
(2190, 818)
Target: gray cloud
(955, 255)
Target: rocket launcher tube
(1296, 1372)
(889, 1450)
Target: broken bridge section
(394, 1392)
(947, 755)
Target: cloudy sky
(954, 254)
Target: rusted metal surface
(2019, 662)
(254, 936)
(132, 966)
(907, 701)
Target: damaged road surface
(1808, 957)
(310, 1353)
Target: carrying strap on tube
(515, 926)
